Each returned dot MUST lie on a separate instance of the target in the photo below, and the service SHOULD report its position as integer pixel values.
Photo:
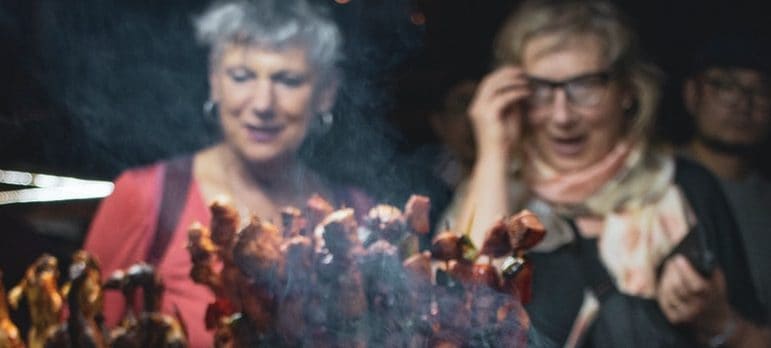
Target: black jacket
(561, 277)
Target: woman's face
(574, 125)
(266, 100)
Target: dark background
(92, 87)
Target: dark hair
(732, 50)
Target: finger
(676, 286)
(673, 312)
(502, 101)
(501, 79)
(672, 294)
(683, 312)
(492, 107)
(718, 280)
(519, 83)
(691, 280)
(666, 282)
(666, 298)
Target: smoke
(363, 147)
(132, 80)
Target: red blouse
(123, 229)
(120, 236)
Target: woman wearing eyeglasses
(562, 128)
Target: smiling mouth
(263, 134)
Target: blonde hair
(572, 18)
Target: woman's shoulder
(139, 186)
(702, 190)
(700, 186)
(141, 174)
(688, 171)
(148, 173)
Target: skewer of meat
(316, 209)
(452, 316)
(84, 298)
(257, 254)
(203, 255)
(39, 286)
(291, 323)
(416, 214)
(151, 328)
(224, 229)
(9, 333)
(340, 285)
(292, 222)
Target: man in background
(728, 98)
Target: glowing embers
(418, 18)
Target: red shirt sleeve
(120, 233)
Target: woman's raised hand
(496, 110)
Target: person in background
(562, 128)
(273, 80)
(451, 124)
(728, 99)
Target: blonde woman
(562, 129)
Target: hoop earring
(210, 110)
(327, 119)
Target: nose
(263, 99)
(561, 113)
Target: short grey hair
(601, 18)
(272, 24)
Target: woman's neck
(261, 188)
(279, 178)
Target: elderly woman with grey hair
(273, 81)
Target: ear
(627, 101)
(691, 96)
(628, 96)
(326, 94)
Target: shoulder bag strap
(176, 183)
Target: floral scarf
(628, 201)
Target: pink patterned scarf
(628, 201)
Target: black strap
(597, 276)
(176, 183)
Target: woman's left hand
(686, 297)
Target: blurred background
(92, 87)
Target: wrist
(725, 333)
(494, 152)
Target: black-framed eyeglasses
(731, 92)
(584, 90)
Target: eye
(240, 75)
(290, 79)
(722, 84)
(540, 92)
(588, 87)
